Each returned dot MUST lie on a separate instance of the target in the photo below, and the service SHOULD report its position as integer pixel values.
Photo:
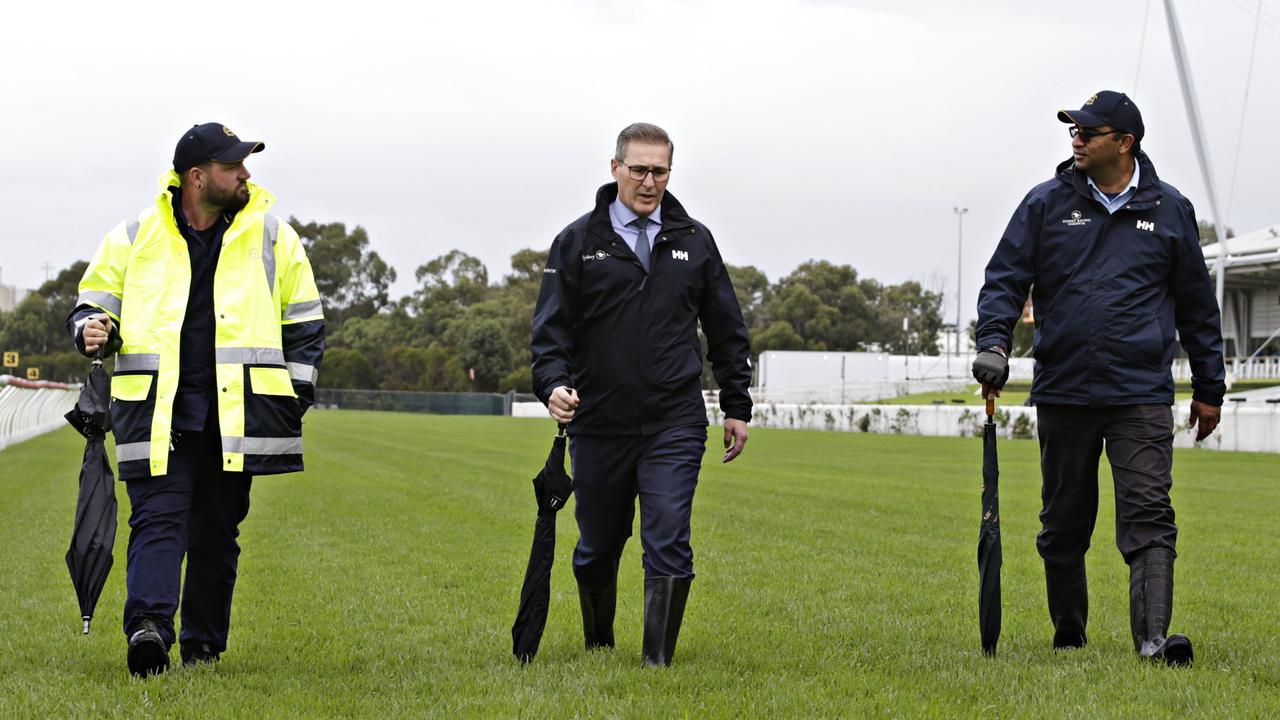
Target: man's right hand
(96, 332)
(991, 368)
(562, 403)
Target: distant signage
(11, 359)
(33, 373)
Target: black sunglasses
(1089, 133)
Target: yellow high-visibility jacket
(268, 338)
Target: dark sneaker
(148, 654)
(193, 655)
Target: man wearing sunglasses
(617, 358)
(1112, 259)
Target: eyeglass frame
(657, 177)
(1089, 133)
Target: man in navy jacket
(616, 357)
(1112, 259)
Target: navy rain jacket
(1108, 293)
(627, 340)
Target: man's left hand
(735, 438)
(1206, 416)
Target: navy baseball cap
(1107, 108)
(211, 141)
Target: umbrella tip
(86, 619)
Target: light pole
(959, 211)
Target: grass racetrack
(836, 577)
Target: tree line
(460, 330)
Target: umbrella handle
(991, 407)
(562, 429)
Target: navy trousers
(1139, 443)
(609, 473)
(194, 511)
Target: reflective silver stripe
(303, 373)
(131, 229)
(297, 311)
(133, 451)
(105, 300)
(271, 227)
(263, 446)
(138, 361)
(250, 356)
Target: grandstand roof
(1253, 258)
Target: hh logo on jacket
(680, 255)
(1146, 225)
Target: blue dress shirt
(622, 216)
(1114, 204)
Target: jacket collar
(260, 200)
(599, 224)
(1147, 194)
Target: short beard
(228, 201)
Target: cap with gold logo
(211, 141)
(1107, 108)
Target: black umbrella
(89, 557)
(989, 554)
(552, 487)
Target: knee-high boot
(1151, 608)
(597, 614)
(664, 601)
(1068, 591)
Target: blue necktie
(642, 242)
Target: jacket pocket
(271, 408)
(1044, 343)
(270, 381)
(132, 388)
(133, 405)
(1149, 345)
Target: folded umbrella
(552, 487)
(89, 557)
(990, 557)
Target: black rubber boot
(148, 652)
(1068, 591)
(664, 601)
(597, 615)
(1151, 609)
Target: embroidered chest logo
(1146, 225)
(1076, 220)
(680, 255)
(597, 255)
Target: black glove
(991, 367)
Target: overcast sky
(844, 131)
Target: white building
(10, 296)
(1251, 308)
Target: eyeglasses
(1089, 133)
(638, 172)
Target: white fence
(851, 377)
(28, 409)
(1243, 427)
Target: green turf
(836, 577)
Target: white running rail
(28, 409)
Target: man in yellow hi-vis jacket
(209, 302)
